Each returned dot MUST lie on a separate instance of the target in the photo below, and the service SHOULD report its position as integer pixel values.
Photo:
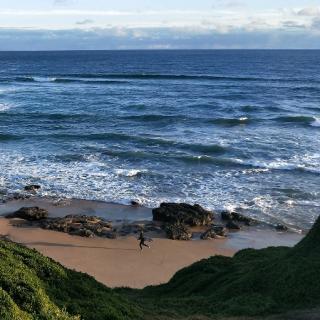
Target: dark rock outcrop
(30, 214)
(231, 225)
(213, 232)
(191, 215)
(235, 216)
(281, 228)
(178, 231)
(81, 225)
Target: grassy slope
(35, 287)
(254, 282)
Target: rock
(235, 216)
(135, 203)
(81, 225)
(30, 214)
(83, 233)
(281, 228)
(32, 187)
(213, 232)
(226, 215)
(75, 226)
(208, 235)
(182, 213)
(219, 230)
(231, 225)
(109, 234)
(178, 231)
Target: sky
(165, 24)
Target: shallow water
(226, 129)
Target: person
(142, 240)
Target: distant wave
(83, 77)
(308, 120)
(230, 121)
(24, 79)
(121, 137)
(148, 76)
(154, 117)
(9, 137)
(106, 82)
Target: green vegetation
(37, 288)
(253, 283)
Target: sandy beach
(120, 262)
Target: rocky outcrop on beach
(81, 225)
(178, 231)
(191, 215)
(178, 218)
(29, 213)
(231, 216)
(215, 231)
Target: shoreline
(119, 262)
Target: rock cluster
(81, 225)
(30, 214)
(178, 231)
(233, 217)
(178, 218)
(191, 215)
(215, 231)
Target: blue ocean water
(226, 129)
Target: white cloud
(85, 22)
(309, 11)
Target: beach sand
(120, 262)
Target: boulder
(235, 216)
(178, 231)
(281, 228)
(231, 225)
(213, 232)
(191, 215)
(83, 233)
(30, 214)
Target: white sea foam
(316, 122)
(306, 162)
(4, 107)
(129, 172)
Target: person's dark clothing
(142, 241)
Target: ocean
(225, 129)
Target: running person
(142, 241)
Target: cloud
(293, 24)
(309, 11)
(85, 22)
(316, 24)
(153, 38)
(229, 4)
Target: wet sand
(120, 262)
